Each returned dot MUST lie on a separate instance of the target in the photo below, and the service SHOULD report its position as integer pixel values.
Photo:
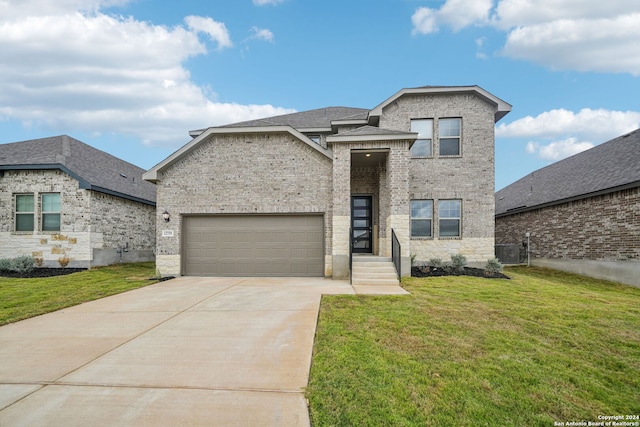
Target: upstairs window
(50, 211)
(421, 218)
(24, 212)
(424, 129)
(315, 138)
(449, 213)
(449, 132)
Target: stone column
(341, 210)
(398, 184)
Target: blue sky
(132, 77)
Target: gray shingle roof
(370, 130)
(94, 169)
(608, 166)
(318, 118)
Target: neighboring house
(61, 198)
(582, 213)
(294, 195)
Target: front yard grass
(24, 298)
(541, 348)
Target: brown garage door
(253, 245)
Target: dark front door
(361, 224)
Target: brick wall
(469, 177)
(89, 221)
(605, 227)
(243, 174)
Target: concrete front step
(373, 270)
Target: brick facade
(468, 177)
(234, 170)
(261, 173)
(603, 228)
(93, 226)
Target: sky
(133, 77)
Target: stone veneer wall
(286, 176)
(83, 227)
(469, 177)
(127, 229)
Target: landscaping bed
(41, 272)
(427, 271)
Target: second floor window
(424, 129)
(449, 133)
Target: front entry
(361, 224)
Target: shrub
(435, 262)
(458, 262)
(64, 261)
(20, 264)
(493, 266)
(39, 261)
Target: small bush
(39, 261)
(435, 262)
(493, 266)
(63, 261)
(458, 263)
(20, 264)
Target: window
(50, 212)
(421, 218)
(315, 138)
(449, 133)
(24, 212)
(449, 214)
(424, 129)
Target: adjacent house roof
(94, 169)
(608, 167)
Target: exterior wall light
(166, 216)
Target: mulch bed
(41, 272)
(468, 271)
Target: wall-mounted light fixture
(166, 216)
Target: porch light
(368, 154)
(166, 216)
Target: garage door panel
(253, 245)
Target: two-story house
(300, 194)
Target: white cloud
(262, 34)
(65, 69)
(557, 150)
(561, 133)
(455, 13)
(583, 35)
(266, 2)
(216, 30)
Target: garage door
(253, 245)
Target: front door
(361, 224)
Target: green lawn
(541, 348)
(23, 298)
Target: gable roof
(152, 174)
(502, 108)
(94, 169)
(611, 166)
(316, 120)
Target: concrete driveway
(189, 351)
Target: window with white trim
(50, 203)
(449, 218)
(449, 134)
(421, 218)
(24, 215)
(422, 146)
